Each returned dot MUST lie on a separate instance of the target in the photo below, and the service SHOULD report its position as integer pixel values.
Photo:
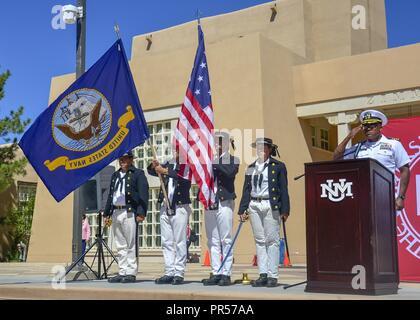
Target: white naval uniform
(124, 230)
(174, 235)
(389, 152)
(265, 224)
(219, 224)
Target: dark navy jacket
(136, 192)
(277, 183)
(182, 186)
(224, 172)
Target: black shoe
(128, 279)
(212, 281)
(261, 281)
(271, 282)
(116, 279)
(164, 280)
(177, 280)
(224, 281)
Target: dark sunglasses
(370, 126)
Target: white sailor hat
(225, 138)
(264, 141)
(128, 153)
(222, 134)
(373, 116)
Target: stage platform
(34, 281)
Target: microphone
(356, 151)
(298, 177)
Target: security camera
(71, 14)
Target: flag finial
(117, 30)
(198, 16)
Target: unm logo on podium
(408, 219)
(336, 191)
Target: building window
(320, 138)
(25, 192)
(161, 138)
(149, 230)
(196, 219)
(325, 140)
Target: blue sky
(34, 52)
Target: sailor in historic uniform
(265, 200)
(219, 218)
(389, 152)
(127, 205)
(173, 220)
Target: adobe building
(295, 68)
(19, 192)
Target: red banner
(408, 220)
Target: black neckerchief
(120, 181)
(259, 178)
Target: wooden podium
(351, 223)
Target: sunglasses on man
(370, 126)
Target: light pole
(71, 15)
(81, 40)
(80, 69)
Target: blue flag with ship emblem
(96, 120)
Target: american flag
(194, 141)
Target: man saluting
(389, 152)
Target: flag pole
(117, 33)
(162, 184)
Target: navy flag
(92, 123)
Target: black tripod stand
(100, 244)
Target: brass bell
(245, 279)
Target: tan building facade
(19, 192)
(295, 68)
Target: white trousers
(266, 228)
(124, 230)
(174, 239)
(219, 236)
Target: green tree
(13, 222)
(10, 126)
(20, 222)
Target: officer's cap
(373, 117)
